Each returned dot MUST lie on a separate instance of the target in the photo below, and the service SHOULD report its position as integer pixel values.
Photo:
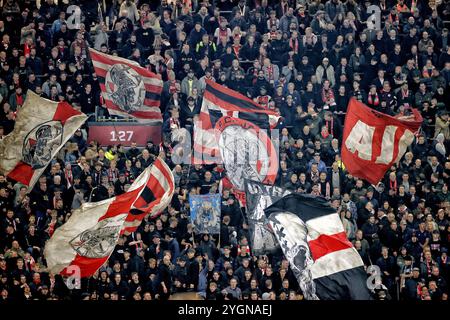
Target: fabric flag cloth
(375, 140)
(42, 128)
(220, 101)
(128, 90)
(258, 197)
(88, 238)
(247, 152)
(205, 213)
(312, 238)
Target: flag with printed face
(88, 238)
(205, 213)
(313, 239)
(375, 140)
(128, 89)
(42, 128)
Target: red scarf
(26, 50)
(327, 188)
(405, 94)
(69, 177)
(239, 250)
(272, 22)
(172, 87)
(113, 174)
(327, 95)
(373, 101)
(51, 228)
(223, 33)
(273, 35)
(293, 44)
(236, 49)
(393, 185)
(270, 71)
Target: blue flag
(205, 213)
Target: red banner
(374, 141)
(108, 133)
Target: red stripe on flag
(326, 244)
(88, 266)
(22, 173)
(147, 102)
(149, 87)
(166, 175)
(121, 204)
(235, 95)
(64, 111)
(222, 104)
(110, 60)
(157, 190)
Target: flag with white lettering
(258, 197)
(128, 89)
(313, 239)
(42, 128)
(375, 140)
(88, 238)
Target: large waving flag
(375, 140)
(258, 197)
(312, 238)
(88, 238)
(128, 89)
(220, 101)
(42, 128)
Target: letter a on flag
(374, 141)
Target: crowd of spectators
(305, 58)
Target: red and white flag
(128, 89)
(218, 102)
(42, 128)
(313, 239)
(374, 141)
(88, 238)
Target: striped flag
(128, 89)
(312, 238)
(42, 128)
(88, 238)
(220, 101)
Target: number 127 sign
(374, 141)
(124, 134)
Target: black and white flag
(258, 197)
(313, 239)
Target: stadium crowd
(305, 58)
